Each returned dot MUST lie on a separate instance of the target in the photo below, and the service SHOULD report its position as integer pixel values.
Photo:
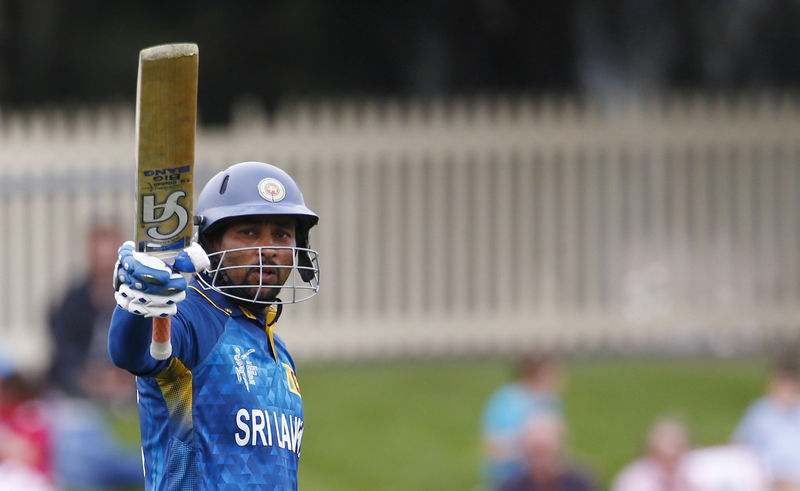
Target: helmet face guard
(294, 290)
(257, 188)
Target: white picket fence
(464, 226)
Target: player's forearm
(129, 342)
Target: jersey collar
(225, 304)
(233, 309)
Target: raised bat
(166, 118)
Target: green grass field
(414, 425)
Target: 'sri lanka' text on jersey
(257, 427)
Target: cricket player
(225, 410)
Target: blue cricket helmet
(256, 188)
(251, 188)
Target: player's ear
(211, 239)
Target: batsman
(219, 402)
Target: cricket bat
(166, 118)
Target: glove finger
(148, 305)
(126, 299)
(123, 299)
(145, 268)
(127, 247)
(147, 279)
(125, 278)
(149, 310)
(160, 310)
(192, 259)
(153, 300)
(175, 283)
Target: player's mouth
(267, 276)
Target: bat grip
(160, 346)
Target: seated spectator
(725, 468)
(661, 466)
(771, 426)
(544, 464)
(16, 476)
(25, 434)
(534, 391)
(80, 365)
(49, 441)
(87, 454)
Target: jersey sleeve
(129, 343)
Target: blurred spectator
(80, 364)
(25, 435)
(725, 468)
(535, 391)
(15, 477)
(545, 465)
(87, 454)
(771, 425)
(49, 441)
(661, 466)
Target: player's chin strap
(278, 312)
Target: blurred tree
(86, 50)
(65, 52)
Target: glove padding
(148, 304)
(146, 285)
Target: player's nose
(267, 250)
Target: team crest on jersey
(246, 371)
(271, 189)
(291, 379)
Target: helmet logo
(271, 189)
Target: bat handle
(160, 346)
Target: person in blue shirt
(225, 410)
(771, 425)
(533, 393)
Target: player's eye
(247, 232)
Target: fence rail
(461, 226)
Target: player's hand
(193, 259)
(145, 285)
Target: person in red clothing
(25, 434)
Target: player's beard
(251, 284)
(266, 292)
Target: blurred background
(614, 183)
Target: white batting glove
(146, 285)
(148, 304)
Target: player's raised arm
(129, 342)
(145, 288)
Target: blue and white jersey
(225, 412)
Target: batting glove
(145, 285)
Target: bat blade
(166, 118)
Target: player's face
(268, 236)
